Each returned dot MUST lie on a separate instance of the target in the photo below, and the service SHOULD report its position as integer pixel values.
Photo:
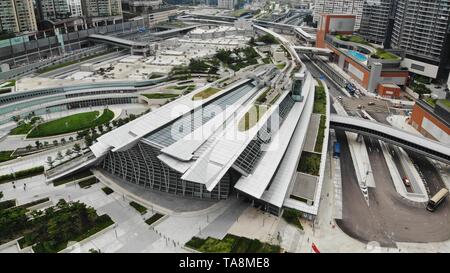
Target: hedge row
(21, 174)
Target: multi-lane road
(388, 218)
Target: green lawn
(206, 93)
(21, 129)
(281, 66)
(353, 38)
(232, 244)
(71, 123)
(160, 96)
(320, 135)
(445, 103)
(385, 55)
(320, 99)
(252, 117)
(10, 83)
(6, 155)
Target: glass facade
(140, 165)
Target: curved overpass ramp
(433, 149)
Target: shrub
(141, 209)
(21, 174)
(107, 190)
(292, 217)
(88, 182)
(7, 204)
(154, 218)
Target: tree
(55, 142)
(100, 128)
(69, 152)
(88, 140)
(15, 118)
(59, 156)
(77, 148)
(308, 19)
(70, 139)
(38, 144)
(45, 143)
(63, 141)
(50, 161)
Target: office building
(17, 16)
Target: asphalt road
(387, 219)
(432, 178)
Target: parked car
(371, 103)
(406, 182)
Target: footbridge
(139, 48)
(312, 50)
(433, 149)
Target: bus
(337, 150)
(437, 199)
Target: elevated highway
(433, 149)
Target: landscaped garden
(385, 55)
(292, 216)
(205, 93)
(72, 123)
(353, 38)
(309, 163)
(238, 58)
(49, 231)
(232, 244)
(24, 126)
(320, 134)
(160, 96)
(320, 99)
(320, 103)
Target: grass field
(252, 117)
(71, 124)
(21, 129)
(206, 93)
(160, 96)
(6, 155)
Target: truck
(336, 150)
